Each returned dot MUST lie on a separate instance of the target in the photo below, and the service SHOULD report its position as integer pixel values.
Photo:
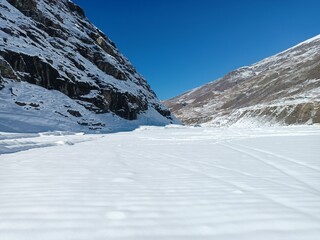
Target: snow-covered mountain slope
(164, 183)
(282, 89)
(55, 65)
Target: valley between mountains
(89, 152)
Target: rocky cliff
(283, 89)
(56, 65)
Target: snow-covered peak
(52, 44)
(281, 89)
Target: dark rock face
(97, 59)
(6, 70)
(25, 6)
(74, 113)
(75, 8)
(34, 70)
(50, 43)
(282, 89)
(117, 103)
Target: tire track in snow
(240, 172)
(265, 197)
(230, 184)
(314, 168)
(280, 169)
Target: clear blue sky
(178, 45)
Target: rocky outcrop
(52, 44)
(6, 70)
(282, 89)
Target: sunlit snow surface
(162, 183)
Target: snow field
(162, 183)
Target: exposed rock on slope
(282, 89)
(51, 44)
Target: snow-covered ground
(162, 183)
